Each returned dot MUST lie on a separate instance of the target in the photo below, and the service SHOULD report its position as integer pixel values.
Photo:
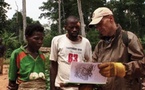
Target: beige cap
(98, 15)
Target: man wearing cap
(112, 51)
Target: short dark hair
(71, 17)
(31, 28)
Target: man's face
(105, 26)
(73, 28)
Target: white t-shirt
(64, 51)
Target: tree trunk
(59, 19)
(81, 18)
(24, 18)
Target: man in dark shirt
(2, 51)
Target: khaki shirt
(114, 50)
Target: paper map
(86, 73)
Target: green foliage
(143, 42)
(10, 41)
(15, 25)
(47, 73)
(130, 14)
(47, 40)
(3, 10)
(49, 34)
(93, 37)
(68, 7)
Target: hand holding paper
(82, 72)
(112, 69)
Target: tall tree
(3, 10)
(59, 16)
(69, 7)
(81, 18)
(24, 18)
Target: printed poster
(82, 72)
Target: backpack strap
(126, 41)
(125, 38)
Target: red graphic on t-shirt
(72, 57)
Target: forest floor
(4, 78)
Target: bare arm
(53, 73)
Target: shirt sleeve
(13, 67)
(135, 48)
(53, 52)
(135, 68)
(88, 52)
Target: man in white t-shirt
(67, 48)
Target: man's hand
(112, 69)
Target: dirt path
(4, 78)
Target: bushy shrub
(47, 72)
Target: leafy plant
(47, 74)
(10, 40)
